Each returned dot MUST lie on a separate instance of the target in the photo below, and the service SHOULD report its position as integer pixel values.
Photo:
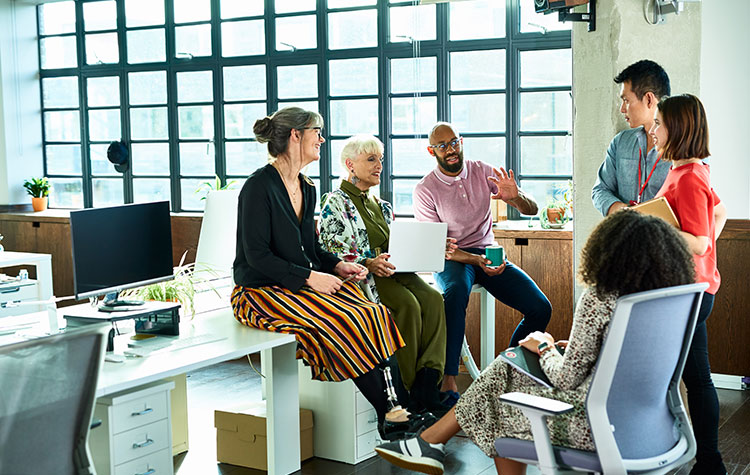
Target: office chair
(638, 422)
(47, 401)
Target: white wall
(20, 121)
(725, 93)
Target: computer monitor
(120, 247)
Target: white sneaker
(414, 454)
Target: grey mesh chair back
(633, 405)
(47, 392)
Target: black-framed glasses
(443, 146)
(319, 130)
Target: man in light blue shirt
(632, 171)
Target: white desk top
(12, 258)
(241, 340)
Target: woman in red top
(680, 133)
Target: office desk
(278, 352)
(43, 264)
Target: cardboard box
(241, 435)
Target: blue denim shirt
(617, 179)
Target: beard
(452, 167)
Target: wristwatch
(543, 347)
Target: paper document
(660, 208)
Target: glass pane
(196, 122)
(354, 116)
(197, 158)
(243, 38)
(316, 183)
(99, 16)
(148, 123)
(350, 3)
(357, 29)
(57, 18)
(100, 164)
(191, 201)
(192, 41)
(60, 92)
(296, 32)
(241, 8)
(538, 22)
(147, 87)
(66, 193)
(307, 105)
(313, 169)
(351, 77)
(62, 126)
(104, 125)
(487, 70)
(245, 157)
(104, 91)
(102, 48)
(402, 196)
(410, 157)
(240, 118)
(544, 191)
(187, 11)
(411, 23)
(107, 192)
(245, 83)
(146, 46)
(488, 149)
(195, 86)
(291, 6)
(477, 19)
(478, 113)
(414, 75)
(413, 115)
(546, 111)
(150, 158)
(297, 81)
(144, 12)
(58, 52)
(63, 159)
(547, 155)
(146, 190)
(546, 68)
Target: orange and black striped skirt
(339, 336)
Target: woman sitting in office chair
(287, 283)
(355, 226)
(627, 252)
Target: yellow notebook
(660, 208)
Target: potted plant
(180, 289)
(554, 215)
(208, 186)
(38, 188)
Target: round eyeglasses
(443, 146)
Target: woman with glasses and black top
(285, 282)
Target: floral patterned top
(343, 232)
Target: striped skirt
(339, 336)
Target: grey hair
(275, 128)
(358, 144)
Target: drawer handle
(142, 413)
(10, 291)
(146, 443)
(372, 421)
(149, 472)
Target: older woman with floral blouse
(355, 226)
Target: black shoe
(390, 430)
(425, 395)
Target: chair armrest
(542, 405)
(95, 423)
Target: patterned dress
(484, 418)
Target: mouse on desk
(114, 358)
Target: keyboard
(161, 344)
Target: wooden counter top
(521, 229)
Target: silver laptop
(417, 246)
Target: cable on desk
(254, 368)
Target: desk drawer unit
(18, 292)
(135, 433)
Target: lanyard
(641, 188)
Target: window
(183, 81)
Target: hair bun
(263, 129)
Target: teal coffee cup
(496, 254)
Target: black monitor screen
(120, 247)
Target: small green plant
(37, 187)
(207, 186)
(180, 289)
(555, 214)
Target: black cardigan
(273, 247)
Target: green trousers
(419, 314)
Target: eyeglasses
(443, 146)
(319, 130)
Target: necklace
(291, 189)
